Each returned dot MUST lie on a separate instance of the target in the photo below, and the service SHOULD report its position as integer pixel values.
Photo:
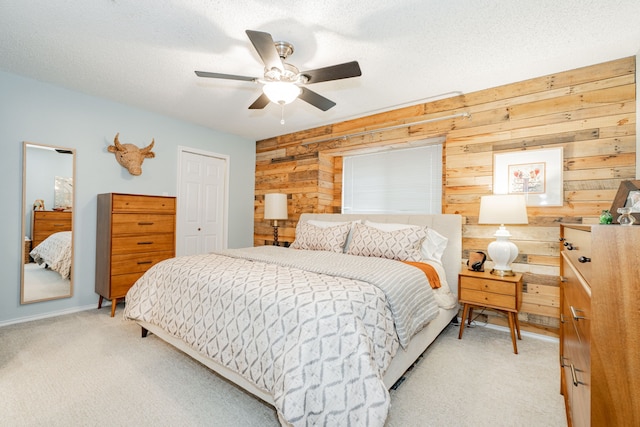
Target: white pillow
(432, 247)
(314, 238)
(444, 298)
(402, 245)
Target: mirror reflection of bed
(48, 181)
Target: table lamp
(503, 209)
(275, 209)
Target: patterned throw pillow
(314, 238)
(402, 245)
(432, 247)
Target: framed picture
(537, 174)
(628, 195)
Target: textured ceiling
(143, 52)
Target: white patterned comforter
(55, 253)
(315, 329)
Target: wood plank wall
(590, 112)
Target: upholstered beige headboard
(449, 225)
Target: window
(402, 181)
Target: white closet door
(201, 226)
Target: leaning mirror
(47, 222)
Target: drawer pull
(145, 223)
(562, 239)
(569, 246)
(561, 317)
(584, 259)
(563, 279)
(574, 376)
(144, 262)
(145, 243)
(574, 313)
(562, 359)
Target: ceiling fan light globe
(281, 92)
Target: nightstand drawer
(478, 284)
(507, 302)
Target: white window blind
(407, 181)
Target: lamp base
(502, 273)
(275, 236)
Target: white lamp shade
(275, 206)
(503, 209)
(281, 92)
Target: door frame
(225, 208)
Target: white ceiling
(144, 52)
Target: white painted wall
(38, 112)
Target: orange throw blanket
(429, 271)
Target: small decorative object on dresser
(599, 344)
(134, 232)
(628, 196)
(606, 217)
(483, 289)
(625, 217)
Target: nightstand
(500, 293)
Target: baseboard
(527, 334)
(48, 315)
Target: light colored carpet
(93, 370)
(42, 283)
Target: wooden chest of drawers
(134, 232)
(45, 223)
(599, 347)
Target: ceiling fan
(282, 82)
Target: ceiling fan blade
(266, 48)
(334, 72)
(259, 103)
(315, 99)
(225, 76)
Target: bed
(319, 334)
(55, 253)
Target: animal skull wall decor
(130, 156)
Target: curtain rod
(404, 125)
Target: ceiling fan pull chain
(282, 119)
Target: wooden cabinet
(45, 223)
(599, 346)
(501, 293)
(134, 232)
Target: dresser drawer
(53, 216)
(121, 283)
(494, 286)
(136, 263)
(143, 243)
(577, 304)
(577, 246)
(133, 203)
(507, 302)
(128, 223)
